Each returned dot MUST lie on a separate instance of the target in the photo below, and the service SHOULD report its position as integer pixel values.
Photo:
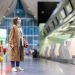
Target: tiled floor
(44, 67)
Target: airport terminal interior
(47, 39)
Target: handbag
(25, 45)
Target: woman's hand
(12, 46)
(25, 44)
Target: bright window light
(3, 33)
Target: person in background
(16, 44)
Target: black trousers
(13, 63)
(20, 48)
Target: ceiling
(45, 9)
(8, 6)
(32, 6)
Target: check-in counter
(56, 51)
(64, 51)
(72, 47)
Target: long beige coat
(14, 40)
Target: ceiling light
(34, 16)
(28, 8)
(3, 16)
(42, 11)
(8, 8)
(27, 19)
(0, 22)
(17, 11)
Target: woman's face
(19, 21)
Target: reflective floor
(44, 67)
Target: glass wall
(29, 25)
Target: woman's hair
(15, 20)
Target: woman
(16, 45)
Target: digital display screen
(68, 8)
(62, 13)
(55, 21)
(61, 16)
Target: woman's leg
(13, 66)
(13, 63)
(18, 66)
(17, 63)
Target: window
(51, 26)
(30, 39)
(68, 8)
(55, 22)
(36, 30)
(3, 35)
(62, 14)
(30, 47)
(35, 41)
(28, 23)
(48, 28)
(28, 30)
